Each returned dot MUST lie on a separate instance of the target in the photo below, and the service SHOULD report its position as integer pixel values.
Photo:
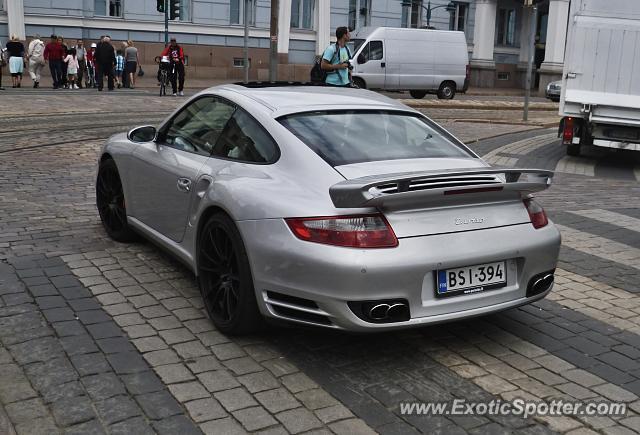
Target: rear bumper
(330, 277)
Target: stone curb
(478, 105)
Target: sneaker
(181, 93)
(75, 87)
(174, 94)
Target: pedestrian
(65, 52)
(91, 66)
(119, 68)
(81, 55)
(131, 66)
(105, 58)
(335, 59)
(3, 62)
(72, 68)
(15, 50)
(54, 53)
(176, 57)
(35, 55)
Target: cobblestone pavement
(102, 337)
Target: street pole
(429, 13)
(246, 41)
(166, 22)
(532, 50)
(273, 56)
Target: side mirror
(361, 59)
(146, 133)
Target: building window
(302, 14)
(458, 17)
(108, 8)
(506, 34)
(237, 11)
(416, 13)
(359, 13)
(238, 62)
(504, 76)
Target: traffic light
(174, 9)
(160, 6)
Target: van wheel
(359, 83)
(573, 149)
(447, 91)
(418, 94)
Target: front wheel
(111, 204)
(225, 279)
(447, 91)
(359, 83)
(418, 94)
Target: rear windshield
(345, 137)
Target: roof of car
(303, 98)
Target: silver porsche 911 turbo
(326, 206)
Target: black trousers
(102, 71)
(56, 72)
(179, 75)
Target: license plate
(471, 279)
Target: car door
(166, 171)
(373, 69)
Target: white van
(418, 60)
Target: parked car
(327, 206)
(554, 89)
(421, 61)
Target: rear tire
(359, 83)
(418, 94)
(225, 279)
(573, 149)
(111, 204)
(447, 91)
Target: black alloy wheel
(111, 204)
(225, 279)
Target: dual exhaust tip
(382, 311)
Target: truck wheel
(573, 149)
(447, 91)
(418, 94)
(359, 83)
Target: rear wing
(373, 191)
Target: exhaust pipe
(540, 283)
(385, 311)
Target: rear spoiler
(373, 191)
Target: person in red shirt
(176, 57)
(54, 53)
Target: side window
(373, 50)
(244, 139)
(197, 127)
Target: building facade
(212, 31)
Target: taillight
(536, 213)
(362, 231)
(567, 132)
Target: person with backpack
(35, 55)
(335, 60)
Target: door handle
(184, 184)
(383, 64)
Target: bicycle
(163, 75)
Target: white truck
(600, 100)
